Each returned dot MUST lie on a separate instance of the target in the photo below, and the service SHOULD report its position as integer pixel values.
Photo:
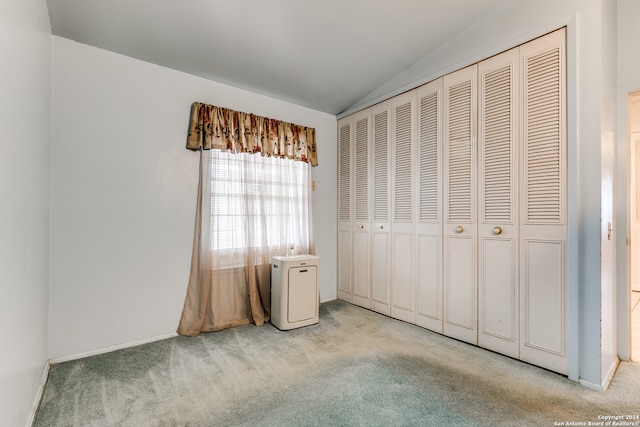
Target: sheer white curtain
(251, 208)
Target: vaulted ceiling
(322, 54)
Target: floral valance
(214, 127)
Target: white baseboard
(592, 386)
(606, 381)
(110, 349)
(36, 400)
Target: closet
(451, 205)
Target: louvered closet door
(361, 224)
(429, 197)
(543, 283)
(460, 228)
(380, 232)
(403, 228)
(345, 138)
(498, 303)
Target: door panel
(361, 282)
(403, 300)
(345, 136)
(429, 279)
(544, 304)
(361, 226)
(460, 227)
(543, 231)
(429, 197)
(403, 225)
(344, 262)
(498, 308)
(380, 273)
(460, 289)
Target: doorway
(634, 199)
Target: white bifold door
(522, 283)
(460, 227)
(361, 224)
(381, 222)
(452, 205)
(345, 138)
(429, 313)
(543, 228)
(498, 161)
(364, 191)
(403, 296)
(522, 197)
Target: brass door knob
(497, 230)
(381, 226)
(361, 225)
(459, 229)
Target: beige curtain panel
(226, 288)
(250, 208)
(226, 129)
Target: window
(259, 201)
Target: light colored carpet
(355, 368)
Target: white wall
(124, 193)
(590, 80)
(25, 53)
(628, 52)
